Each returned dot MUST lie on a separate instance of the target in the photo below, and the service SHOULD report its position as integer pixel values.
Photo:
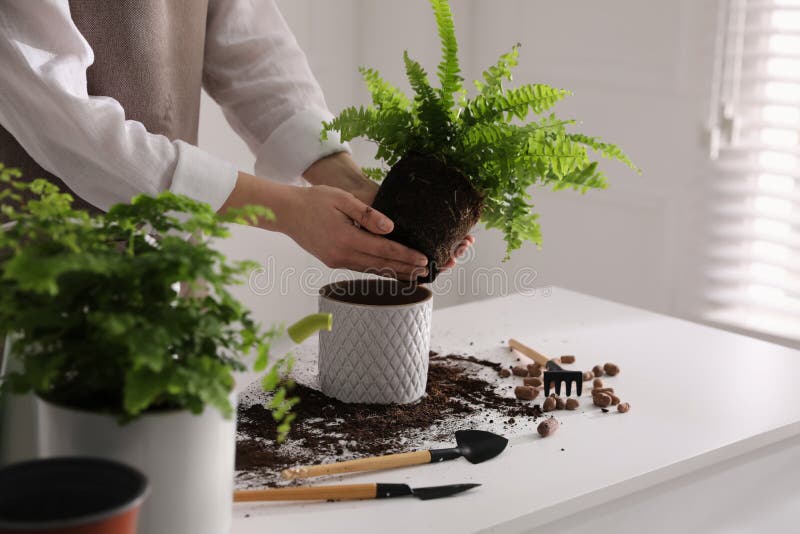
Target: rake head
(555, 375)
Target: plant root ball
(611, 369)
(547, 427)
(520, 370)
(526, 392)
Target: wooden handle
(375, 463)
(345, 492)
(541, 359)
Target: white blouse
(264, 85)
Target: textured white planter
(377, 350)
(187, 458)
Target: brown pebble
(597, 371)
(560, 405)
(547, 427)
(588, 375)
(598, 383)
(520, 370)
(602, 400)
(568, 358)
(597, 391)
(526, 392)
(572, 403)
(533, 381)
(549, 404)
(623, 407)
(534, 369)
(505, 373)
(611, 369)
(614, 399)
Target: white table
(711, 444)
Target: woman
(103, 99)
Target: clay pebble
(525, 392)
(549, 404)
(572, 403)
(623, 407)
(505, 373)
(520, 370)
(533, 381)
(611, 369)
(598, 383)
(602, 400)
(560, 405)
(547, 427)
(568, 358)
(597, 371)
(587, 376)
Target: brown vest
(149, 57)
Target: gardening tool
(475, 445)
(554, 373)
(349, 492)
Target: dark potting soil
(433, 206)
(330, 430)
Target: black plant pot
(433, 206)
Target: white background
(640, 71)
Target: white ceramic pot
(188, 459)
(377, 350)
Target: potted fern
(454, 160)
(122, 365)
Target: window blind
(753, 273)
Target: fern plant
(503, 139)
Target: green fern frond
(384, 94)
(430, 112)
(536, 98)
(608, 150)
(374, 173)
(495, 74)
(448, 70)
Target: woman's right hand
(343, 232)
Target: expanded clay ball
(547, 427)
(602, 400)
(587, 376)
(533, 381)
(568, 358)
(614, 399)
(597, 371)
(597, 383)
(520, 370)
(534, 369)
(526, 392)
(611, 369)
(572, 403)
(549, 404)
(505, 373)
(623, 407)
(560, 403)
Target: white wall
(639, 70)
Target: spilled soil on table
(328, 430)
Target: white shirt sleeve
(257, 72)
(85, 140)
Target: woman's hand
(322, 220)
(340, 170)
